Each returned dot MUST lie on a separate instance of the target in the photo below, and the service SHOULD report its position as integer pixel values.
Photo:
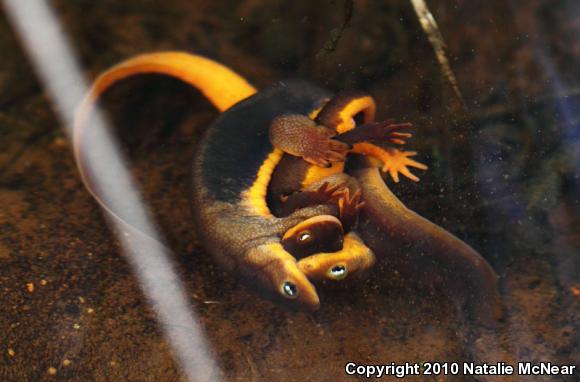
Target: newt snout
(281, 275)
(355, 257)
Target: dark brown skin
(415, 247)
(231, 173)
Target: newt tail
(398, 234)
(221, 85)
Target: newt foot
(323, 194)
(300, 136)
(348, 207)
(397, 162)
(394, 161)
(381, 132)
(321, 150)
(329, 191)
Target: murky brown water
(504, 177)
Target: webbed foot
(320, 149)
(324, 194)
(328, 191)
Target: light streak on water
(55, 63)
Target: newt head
(355, 257)
(323, 233)
(278, 272)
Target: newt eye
(322, 233)
(305, 237)
(338, 272)
(289, 289)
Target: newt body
(232, 170)
(239, 174)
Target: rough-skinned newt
(230, 188)
(232, 169)
(408, 244)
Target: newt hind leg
(310, 196)
(394, 161)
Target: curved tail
(221, 85)
(414, 246)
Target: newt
(413, 247)
(257, 155)
(232, 169)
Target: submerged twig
(336, 34)
(431, 29)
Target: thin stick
(431, 29)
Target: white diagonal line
(54, 61)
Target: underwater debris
(433, 33)
(336, 33)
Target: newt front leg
(300, 136)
